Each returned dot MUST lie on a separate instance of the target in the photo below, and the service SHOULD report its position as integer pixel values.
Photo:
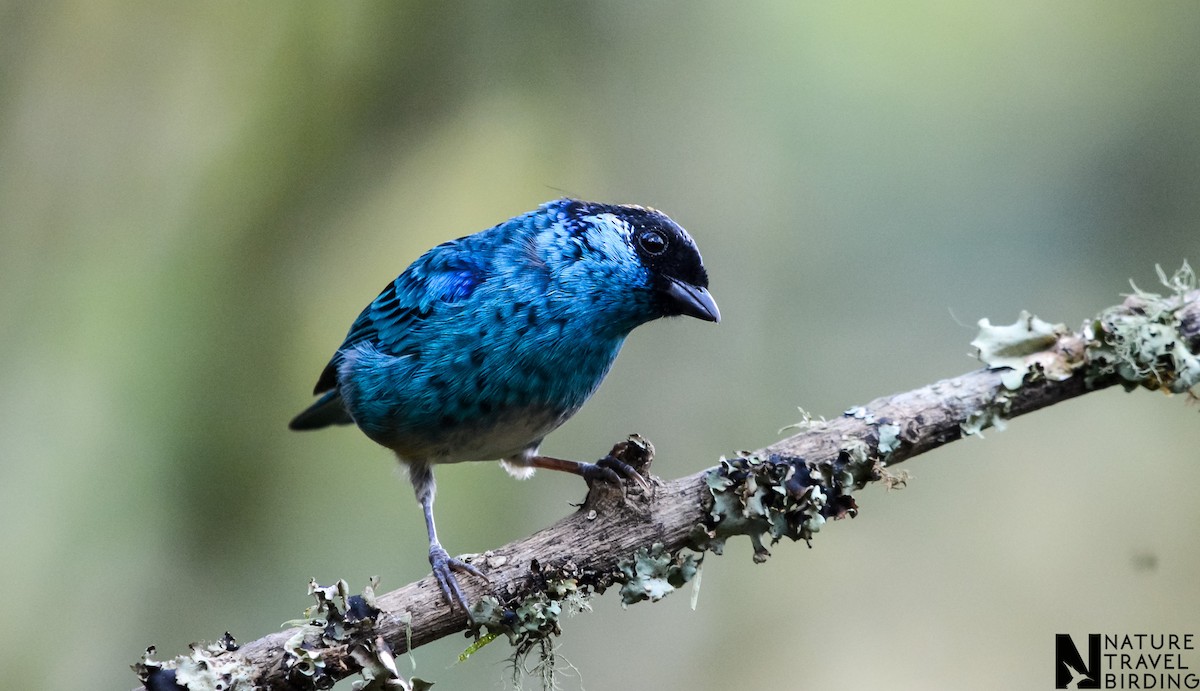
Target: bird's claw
(614, 470)
(444, 567)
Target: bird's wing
(446, 274)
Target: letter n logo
(1069, 670)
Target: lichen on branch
(651, 542)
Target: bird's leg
(610, 469)
(443, 564)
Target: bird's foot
(611, 469)
(444, 567)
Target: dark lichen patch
(786, 497)
(378, 669)
(1140, 342)
(338, 619)
(341, 620)
(205, 668)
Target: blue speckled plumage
(487, 343)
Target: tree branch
(649, 542)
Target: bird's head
(645, 252)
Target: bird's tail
(328, 410)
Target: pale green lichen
(303, 659)
(859, 412)
(889, 439)
(1140, 343)
(1024, 350)
(993, 414)
(651, 574)
(531, 622)
(534, 617)
(806, 423)
(530, 625)
(378, 669)
(1137, 344)
(1027, 347)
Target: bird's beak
(693, 301)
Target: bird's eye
(652, 242)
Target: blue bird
(487, 343)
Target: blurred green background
(197, 198)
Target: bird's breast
(488, 388)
